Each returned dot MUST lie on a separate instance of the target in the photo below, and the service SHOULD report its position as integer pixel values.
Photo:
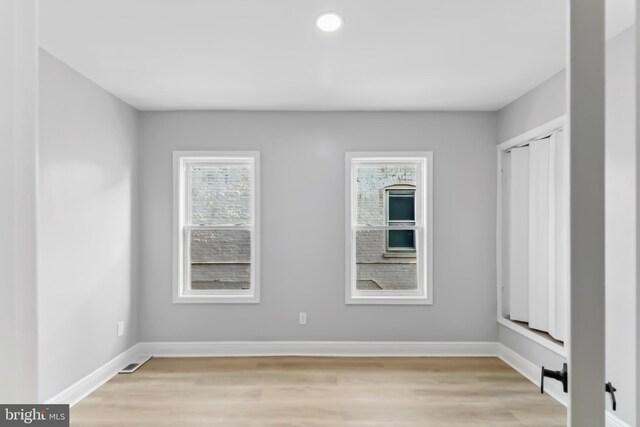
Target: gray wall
(303, 214)
(538, 106)
(620, 223)
(18, 171)
(545, 103)
(87, 226)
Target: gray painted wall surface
(538, 106)
(87, 226)
(620, 223)
(303, 223)
(545, 103)
(18, 192)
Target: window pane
(375, 272)
(372, 182)
(220, 194)
(402, 239)
(401, 207)
(220, 259)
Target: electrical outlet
(303, 318)
(121, 328)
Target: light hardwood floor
(320, 391)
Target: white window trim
(180, 271)
(533, 134)
(424, 211)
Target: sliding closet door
(519, 235)
(559, 232)
(539, 214)
(537, 236)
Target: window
(389, 228)
(401, 212)
(216, 227)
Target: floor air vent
(133, 366)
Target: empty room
(319, 213)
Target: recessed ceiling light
(329, 22)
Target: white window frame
(181, 206)
(424, 230)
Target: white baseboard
(317, 348)
(531, 371)
(527, 369)
(85, 386)
(613, 421)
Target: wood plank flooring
(320, 391)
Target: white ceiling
(268, 54)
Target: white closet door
(559, 230)
(539, 234)
(519, 235)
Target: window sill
(399, 255)
(351, 300)
(216, 299)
